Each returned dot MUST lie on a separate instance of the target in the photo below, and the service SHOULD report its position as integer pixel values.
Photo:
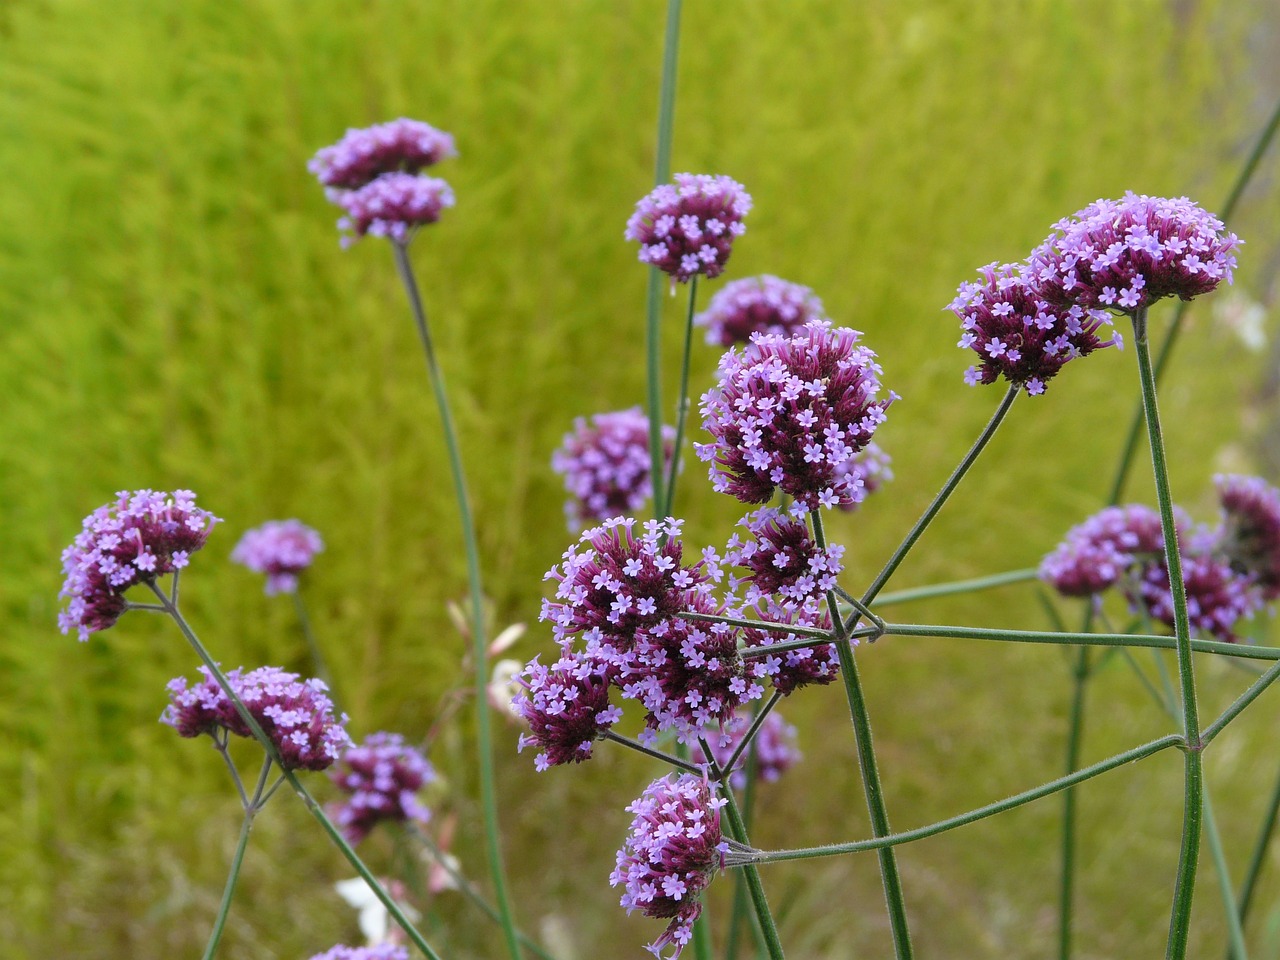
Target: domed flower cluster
(281, 549)
(606, 465)
(381, 777)
(868, 468)
(782, 559)
(674, 848)
(1127, 254)
(381, 951)
(774, 747)
(791, 413)
(372, 173)
(141, 536)
(1016, 332)
(1226, 581)
(688, 228)
(567, 708)
(297, 715)
(762, 304)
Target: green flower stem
(748, 740)
(653, 297)
(635, 745)
(220, 922)
(1236, 948)
(682, 408)
(755, 888)
(894, 899)
(933, 829)
(1259, 855)
(1244, 651)
(739, 912)
(1075, 735)
(798, 629)
(957, 586)
(1193, 777)
(484, 746)
(313, 648)
(316, 810)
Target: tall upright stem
(1075, 734)
(479, 643)
(224, 908)
(754, 887)
(682, 407)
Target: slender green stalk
(313, 648)
(751, 653)
(798, 629)
(1075, 735)
(739, 911)
(653, 296)
(682, 407)
(957, 586)
(1236, 948)
(1193, 778)
(1259, 855)
(484, 746)
(755, 888)
(735, 859)
(894, 899)
(678, 762)
(251, 808)
(1237, 707)
(749, 740)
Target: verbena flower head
(393, 206)
(1250, 532)
(1017, 333)
(789, 670)
(1127, 254)
(381, 951)
(774, 747)
(688, 228)
(366, 153)
(567, 708)
(782, 558)
(870, 468)
(606, 465)
(281, 549)
(1096, 554)
(1217, 597)
(762, 304)
(381, 777)
(670, 855)
(790, 413)
(141, 536)
(296, 714)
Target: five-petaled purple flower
(606, 465)
(566, 706)
(143, 535)
(673, 850)
(688, 228)
(774, 746)
(1250, 533)
(762, 304)
(364, 154)
(870, 469)
(297, 715)
(281, 549)
(1126, 254)
(381, 777)
(790, 413)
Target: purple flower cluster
(670, 855)
(365, 154)
(762, 304)
(1127, 254)
(869, 468)
(1250, 537)
(606, 465)
(372, 173)
(791, 413)
(142, 536)
(774, 746)
(281, 549)
(381, 777)
(782, 559)
(687, 228)
(798, 667)
(567, 708)
(1095, 555)
(1008, 322)
(296, 714)
(382, 951)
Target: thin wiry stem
(755, 888)
(682, 406)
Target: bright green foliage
(175, 312)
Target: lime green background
(175, 312)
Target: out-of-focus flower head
(393, 206)
(1217, 597)
(606, 465)
(1018, 334)
(381, 951)
(297, 715)
(670, 855)
(688, 228)
(141, 536)
(1250, 532)
(567, 708)
(1096, 554)
(281, 549)
(366, 153)
(381, 777)
(1127, 254)
(782, 558)
(763, 304)
(790, 413)
(774, 746)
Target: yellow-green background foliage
(175, 312)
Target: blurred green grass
(176, 313)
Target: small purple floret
(381, 777)
(870, 469)
(366, 153)
(688, 228)
(281, 549)
(762, 304)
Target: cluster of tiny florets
(382, 951)
(364, 154)
(869, 469)
(381, 778)
(606, 465)
(688, 228)
(1250, 529)
(1217, 597)
(1095, 555)
(566, 706)
(393, 206)
(673, 850)
(141, 536)
(1018, 334)
(789, 670)
(762, 304)
(791, 413)
(773, 746)
(1127, 254)
(281, 549)
(781, 559)
(297, 715)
